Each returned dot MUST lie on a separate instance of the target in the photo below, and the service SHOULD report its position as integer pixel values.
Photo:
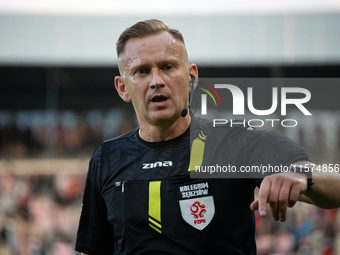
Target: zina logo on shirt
(157, 164)
(197, 207)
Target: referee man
(139, 197)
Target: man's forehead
(162, 42)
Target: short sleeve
(271, 149)
(95, 233)
(274, 148)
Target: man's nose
(156, 79)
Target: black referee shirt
(140, 199)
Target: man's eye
(168, 67)
(142, 71)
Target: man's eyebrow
(173, 61)
(139, 66)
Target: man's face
(155, 77)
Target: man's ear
(121, 89)
(193, 71)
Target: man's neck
(159, 133)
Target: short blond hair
(143, 29)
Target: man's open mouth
(159, 99)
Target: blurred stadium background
(58, 102)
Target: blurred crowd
(308, 230)
(39, 212)
(59, 134)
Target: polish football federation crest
(198, 210)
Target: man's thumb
(254, 206)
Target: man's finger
(273, 198)
(283, 199)
(254, 206)
(294, 195)
(263, 196)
